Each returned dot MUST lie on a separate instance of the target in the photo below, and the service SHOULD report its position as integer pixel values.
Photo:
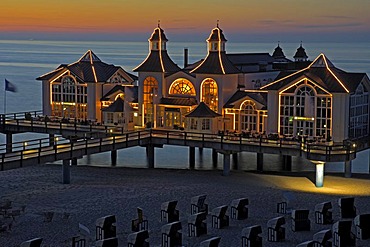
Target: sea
(22, 61)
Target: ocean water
(22, 61)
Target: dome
(158, 35)
(217, 35)
(278, 52)
(300, 54)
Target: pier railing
(82, 140)
(60, 148)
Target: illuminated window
(206, 124)
(150, 91)
(69, 98)
(209, 94)
(305, 109)
(248, 116)
(182, 86)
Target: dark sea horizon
(22, 61)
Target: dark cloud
(336, 17)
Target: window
(193, 124)
(69, 98)
(248, 116)
(206, 124)
(109, 117)
(359, 116)
(210, 94)
(182, 86)
(150, 90)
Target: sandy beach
(96, 192)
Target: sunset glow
(187, 17)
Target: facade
(80, 90)
(254, 93)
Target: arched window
(248, 116)
(209, 94)
(69, 89)
(69, 98)
(182, 86)
(305, 102)
(150, 91)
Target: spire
(300, 55)
(278, 52)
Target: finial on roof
(301, 43)
(278, 43)
(218, 21)
(159, 23)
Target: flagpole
(5, 101)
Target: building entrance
(172, 117)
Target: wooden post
(260, 162)
(9, 142)
(214, 158)
(74, 161)
(66, 172)
(113, 157)
(226, 171)
(51, 140)
(191, 157)
(150, 155)
(287, 163)
(235, 161)
(348, 169)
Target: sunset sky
(332, 20)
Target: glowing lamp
(319, 173)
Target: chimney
(186, 52)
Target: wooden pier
(74, 140)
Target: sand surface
(96, 192)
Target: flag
(10, 86)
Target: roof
(158, 35)
(157, 61)
(278, 52)
(216, 62)
(89, 69)
(300, 53)
(238, 95)
(216, 35)
(131, 92)
(202, 111)
(183, 101)
(116, 106)
(249, 58)
(322, 72)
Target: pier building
(85, 89)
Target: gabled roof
(180, 101)
(116, 106)
(89, 69)
(238, 95)
(202, 111)
(157, 61)
(216, 62)
(322, 72)
(133, 93)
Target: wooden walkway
(79, 140)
